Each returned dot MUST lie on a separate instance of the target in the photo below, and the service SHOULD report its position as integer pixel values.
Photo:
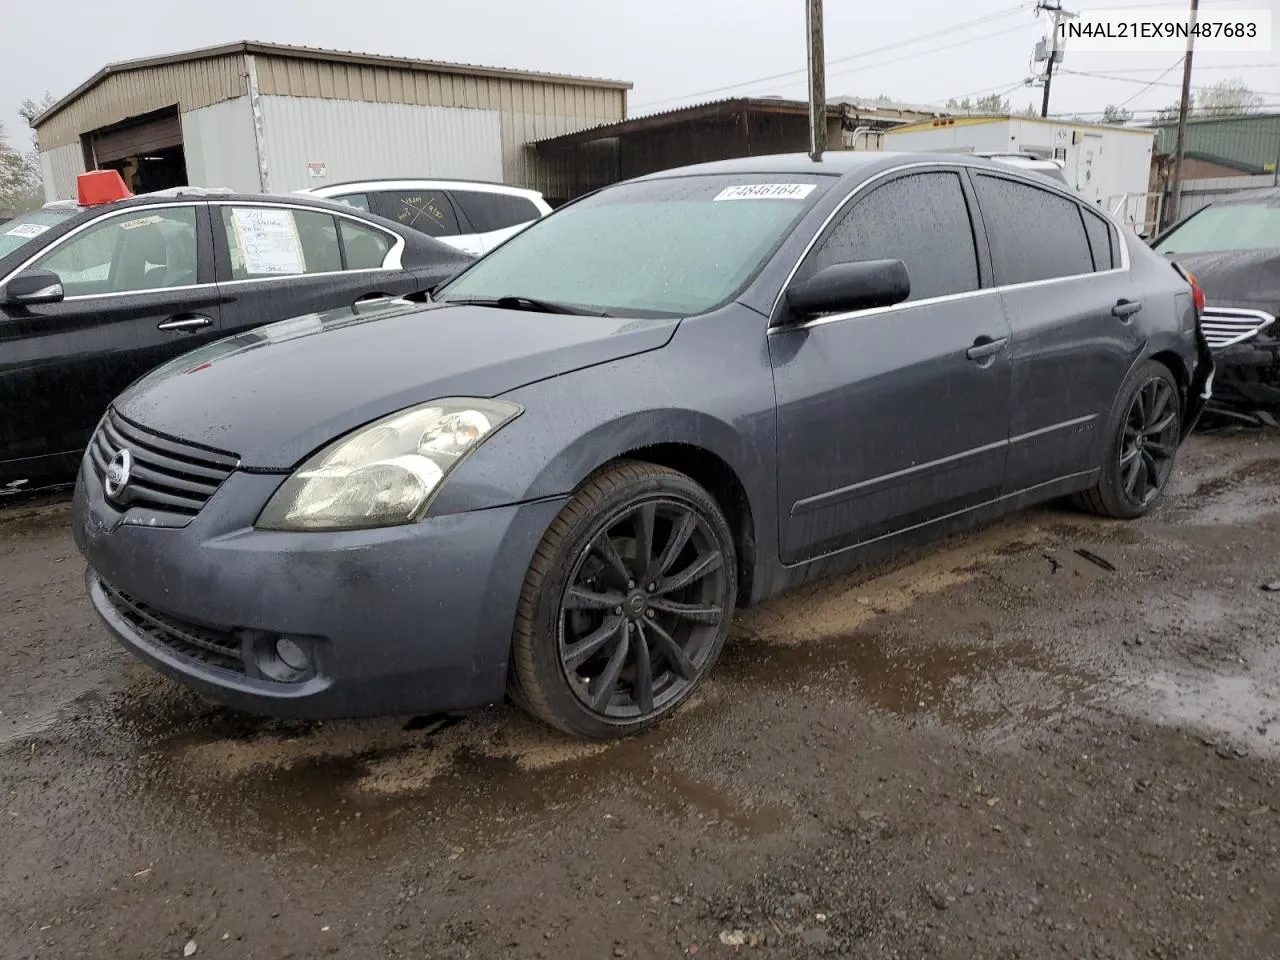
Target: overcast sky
(674, 51)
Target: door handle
(184, 323)
(1124, 309)
(985, 347)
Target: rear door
(891, 417)
(276, 261)
(494, 216)
(1064, 278)
(138, 290)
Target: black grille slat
(219, 648)
(156, 478)
(163, 445)
(167, 476)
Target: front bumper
(410, 619)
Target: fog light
(292, 655)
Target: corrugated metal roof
(1250, 143)
(330, 56)
(690, 111)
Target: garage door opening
(146, 151)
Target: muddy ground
(1053, 737)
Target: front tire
(1142, 446)
(626, 604)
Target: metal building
(273, 118)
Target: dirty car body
(1233, 249)
(677, 395)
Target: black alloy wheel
(1149, 441)
(627, 603)
(642, 610)
(1143, 435)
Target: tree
(1030, 110)
(992, 103)
(1222, 99)
(954, 104)
(1114, 114)
(1227, 97)
(30, 109)
(20, 186)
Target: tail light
(1197, 294)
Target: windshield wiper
(529, 303)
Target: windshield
(22, 230)
(1234, 226)
(672, 247)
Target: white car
(472, 216)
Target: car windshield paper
(669, 247)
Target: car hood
(1237, 278)
(275, 394)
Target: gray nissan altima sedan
(671, 398)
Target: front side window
(1233, 226)
(143, 249)
(276, 241)
(675, 246)
(1034, 234)
(358, 200)
(427, 211)
(494, 211)
(922, 220)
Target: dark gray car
(672, 397)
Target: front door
(138, 290)
(892, 417)
(277, 261)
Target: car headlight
(385, 473)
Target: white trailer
(1108, 165)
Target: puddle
(358, 788)
(975, 688)
(1242, 709)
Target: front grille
(167, 475)
(215, 648)
(1227, 326)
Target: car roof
(417, 183)
(835, 163)
(221, 194)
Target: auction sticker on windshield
(766, 191)
(27, 230)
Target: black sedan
(93, 295)
(1233, 249)
(668, 399)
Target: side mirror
(33, 287)
(851, 286)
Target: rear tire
(626, 604)
(1141, 447)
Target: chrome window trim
(392, 261)
(111, 214)
(1264, 320)
(1125, 261)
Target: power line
(925, 53)
(1168, 70)
(1207, 66)
(1158, 110)
(965, 25)
(1153, 83)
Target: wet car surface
(1057, 736)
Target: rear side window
(274, 242)
(366, 248)
(1034, 234)
(494, 211)
(427, 211)
(1101, 241)
(922, 220)
(358, 200)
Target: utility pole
(817, 82)
(1175, 200)
(1052, 50)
